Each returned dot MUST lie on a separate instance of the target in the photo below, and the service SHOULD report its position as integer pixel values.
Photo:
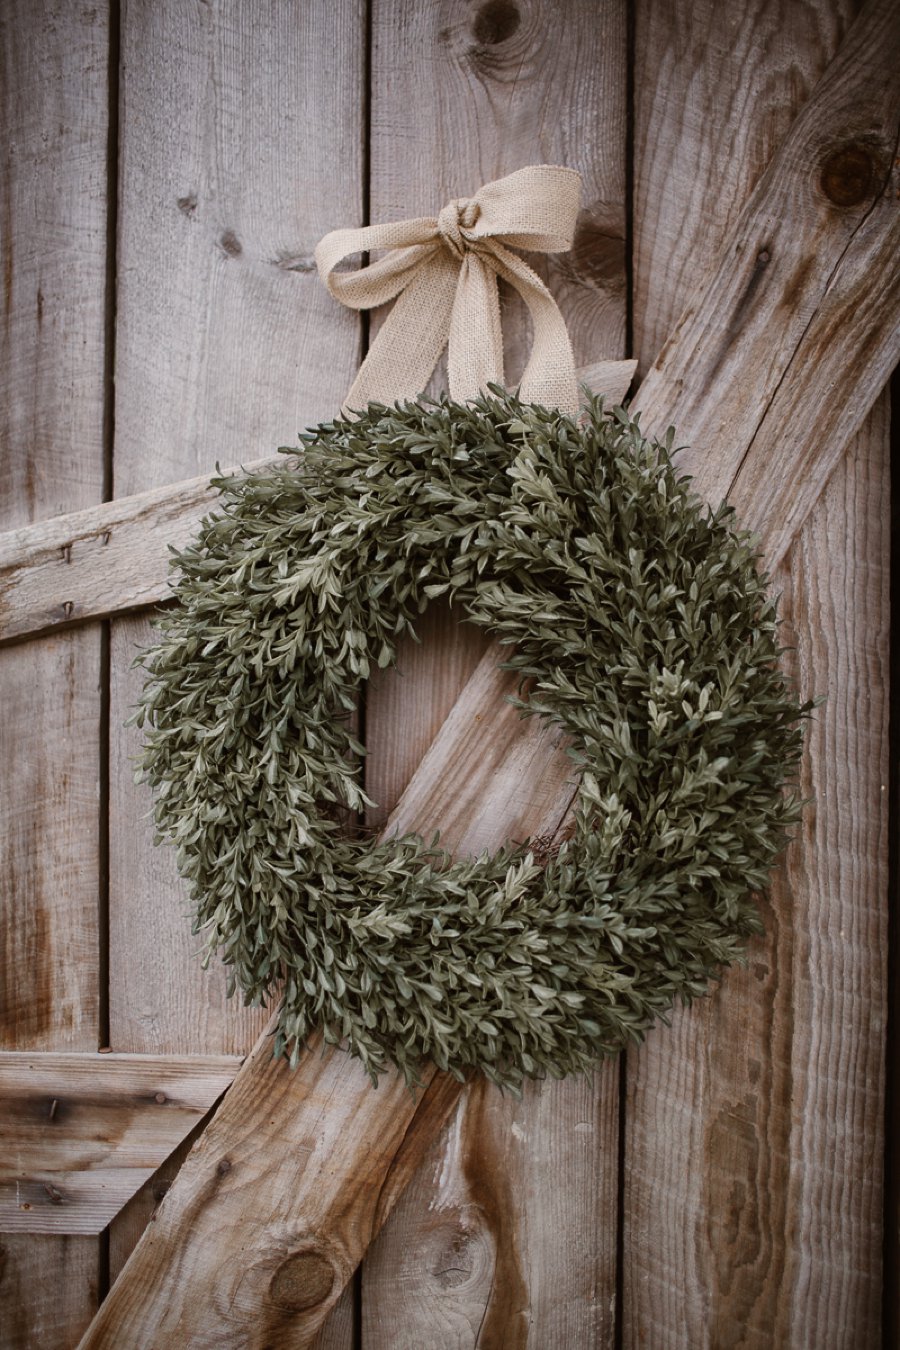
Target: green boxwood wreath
(640, 622)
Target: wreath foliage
(638, 620)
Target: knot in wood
(455, 218)
(495, 22)
(304, 1279)
(848, 175)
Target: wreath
(638, 621)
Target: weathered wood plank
(226, 344)
(327, 1157)
(716, 96)
(161, 1000)
(276, 1132)
(458, 761)
(471, 1252)
(226, 341)
(525, 771)
(224, 347)
(104, 560)
(339, 1329)
(493, 1226)
(51, 381)
(53, 107)
(113, 558)
(836, 901)
(54, 93)
(817, 249)
(80, 1133)
(135, 1215)
(734, 1232)
(426, 681)
(49, 813)
(50, 1289)
(753, 1200)
(467, 709)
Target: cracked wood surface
(798, 329)
(695, 1138)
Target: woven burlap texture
(443, 272)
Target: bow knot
(455, 221)
(443, 273)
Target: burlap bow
(444, 272)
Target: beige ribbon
(444, 272)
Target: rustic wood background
(170, 168)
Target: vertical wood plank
(716, 91)
(837, 890)
(241, 144)
(223, 334)
(754, 1145)
(463, 93)
(53, 95)
(754, 1124)
(50, 1290)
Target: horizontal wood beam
(80, 1133)
(107, 559)
(310, 1222)
(115, 557)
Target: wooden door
(170, 169)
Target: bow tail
(549, 377)
(402, 358)
(475, 351)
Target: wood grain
(241, 144)
(759, 1171)
(806, 296)
(104, 560)
(50, 1289)
(754, 1124)
(53, 222)
(326, 1158)
(716, 95)
(161, 1000)
(523, 770)
(471, 1252)
(833, 270)
(114, 558)
(268, 1274)
(736, 1233)
(80, 1133)
(217, 224)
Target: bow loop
(444, 273)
